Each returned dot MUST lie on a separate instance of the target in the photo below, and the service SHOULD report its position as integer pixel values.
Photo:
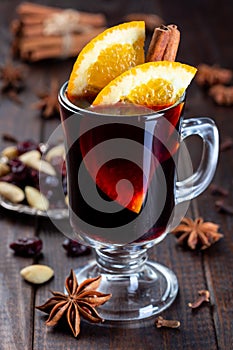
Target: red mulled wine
(121, 172)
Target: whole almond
(10, 152)
(36, 199)
(33, 160)
(4, 169)
(11, 192)
(37, 273)
(29, 157)
(57, 151)
(45, 167)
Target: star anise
(48, 103)
(197, 233)
(81, 300)
(211, 75)
(12, 77)
(222, 95)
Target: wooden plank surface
(206, 37)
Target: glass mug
(130, 180)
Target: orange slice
(108, 55)
(150, 84)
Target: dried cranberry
(64, 171)
(26, 146)
(19, 171)
(22, 175)
(27, 246)
(16, 165)
(33, 177)
(74, 248)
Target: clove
(216, 190)
(226, 144)
(224, 208)
(9, 138)
(204, 295)
(162, 322)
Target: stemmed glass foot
(140, 288)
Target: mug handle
(196, 183)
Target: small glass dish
(48, 183)
(55, 213)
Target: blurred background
(38, 47)
(202, 15)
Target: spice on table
(216, 190)
(224, 208)
(12, 78)
(164, 44)
(204, 296)
(226, 144)
(197, 233)
(162, 322)
(222, 95)
(81, 300)
(211, 75)
(75, 248)
(48, 103)
(9, 138)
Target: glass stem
(120, 261)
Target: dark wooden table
(206, 37)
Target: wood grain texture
(206, 38)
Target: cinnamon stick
(27, 11)
(28, 8)
(173, 44)
(43, 32)
(38, 48)
(164, 44)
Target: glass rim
(66, 103)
